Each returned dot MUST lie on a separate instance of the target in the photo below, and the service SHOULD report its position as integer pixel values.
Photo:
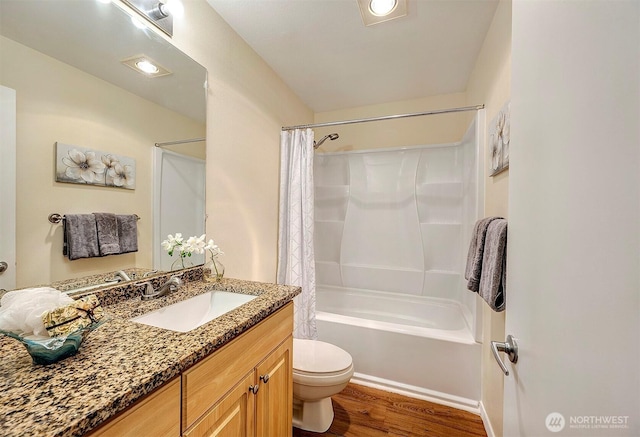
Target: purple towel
(494, 266)
(108, 240)
(473, 270)
(81, 236)
(128, 232)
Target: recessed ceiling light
(381, 8)
(378, 11)
(145, 65)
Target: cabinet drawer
(157, 414)
(205, 383)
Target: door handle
(509, 347)
(264, 378)
(254, 388)
(3, 266)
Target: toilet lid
(314, 356)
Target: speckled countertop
(119, 362)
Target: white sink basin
(196, 311)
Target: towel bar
(57, 218)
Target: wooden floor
(366, 412)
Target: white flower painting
(79, 165)
(500, 139)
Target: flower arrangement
(197, 245)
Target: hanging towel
(494, 266)
(81, 236)
(108, 240)
(473, 269)
(128, 232)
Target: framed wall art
(79, 165)
(499, 140)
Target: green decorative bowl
(54, 349)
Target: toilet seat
(317, 363)
(313, 356)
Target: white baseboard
(411, 391)
(487, 423)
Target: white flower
(83, 166)
(195, 244)
(172, 242)
(213, 249)
(110, 162)
(122, 175)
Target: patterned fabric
(70, 318)
(296, 260)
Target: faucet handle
(148, 288)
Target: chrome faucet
(121, 276)
(171, 285)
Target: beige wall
(56, 102)
(490, 84)
(434, 129)
(247, 104)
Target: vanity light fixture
(160, 13)
(379, 11)
(145, 65)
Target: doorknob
(3, 266)
(509, 347)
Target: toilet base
(314, 416)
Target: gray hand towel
(473, 270)
(494, 266)
(128, 232)
(108, 240)
(81, 236)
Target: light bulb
(147, 67)
(380, 8)
(174, 7)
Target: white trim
(470, 405)
(8, 186)
(486, 422)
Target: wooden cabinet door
(233, 416)
(275, 396)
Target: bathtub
(416, 346)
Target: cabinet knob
(254, 388)
(264, 378)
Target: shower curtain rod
(173, 143)
(384, 117)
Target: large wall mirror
(64, 59)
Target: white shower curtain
(296, 260)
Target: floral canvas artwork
(500, 139)
(79, 165)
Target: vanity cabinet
(254, 374)
(257, 405)
(243, 389)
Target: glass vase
(181, 263)
(213, 270)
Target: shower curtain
(296, 260)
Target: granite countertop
(119, 362)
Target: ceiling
(95, 37)
(323, 51)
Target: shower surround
(392, 230)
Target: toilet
(320, 370)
